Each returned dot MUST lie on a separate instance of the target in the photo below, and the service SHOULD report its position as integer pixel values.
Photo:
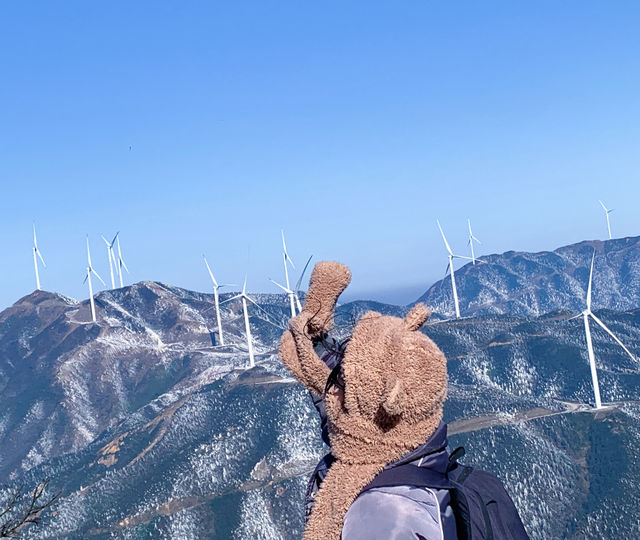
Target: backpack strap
(454, 456)
(410, 475)
(457, 454)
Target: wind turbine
(243, 296)
(470, 242)
(607, 212)
(216, 286)
(287, 289)
(592, 361)
(90, 271)
(111, 257)
(121, 262)
(450, 267)
(36, 253)
(293, 294)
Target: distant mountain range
(151, 429)
(521, 283)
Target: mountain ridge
(532, 284)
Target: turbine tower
(470, 242)
(243, 296)
(216, 286)
(36, 253)
(606, 213)
(592, 361)
(112, 257)
(90, 271)
(121, 263)
(285, 258)
(450, 267)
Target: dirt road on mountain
(482, 422)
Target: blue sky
(352, 125)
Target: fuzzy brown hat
(395, 384)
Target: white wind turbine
(470, 242)
(287, 289)
(36, 253)
(592, 361)
(90, 271)
(450, 268)
(243, 296)
(606, 213)
(216, 286)
(112, 257)
(121, 263)
(293, 294)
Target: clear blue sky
(352, 125)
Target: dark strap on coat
(410, 475)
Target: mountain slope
(151, 430)
(64, 379)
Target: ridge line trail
(477, 423)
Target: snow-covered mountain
(150, 429)
(520, 283)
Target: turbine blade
(114, 238)
(250, 300)
(230, 299)
(35, 240)
(244, 286)
(612, 335)
(215, 283)
(86, 276)
(444, 238)
(98, 276)
(288, 291)
(297, 287)
(40, 255)
(106, 241)
(593, 258)
(461, 257)
(476, 239)
(120, 259)
(603, 206)
(88, 252)
(284, 250)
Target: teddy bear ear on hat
(416, 317)
(395, 397)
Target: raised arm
(327, 282)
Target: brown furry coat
(395, 381)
